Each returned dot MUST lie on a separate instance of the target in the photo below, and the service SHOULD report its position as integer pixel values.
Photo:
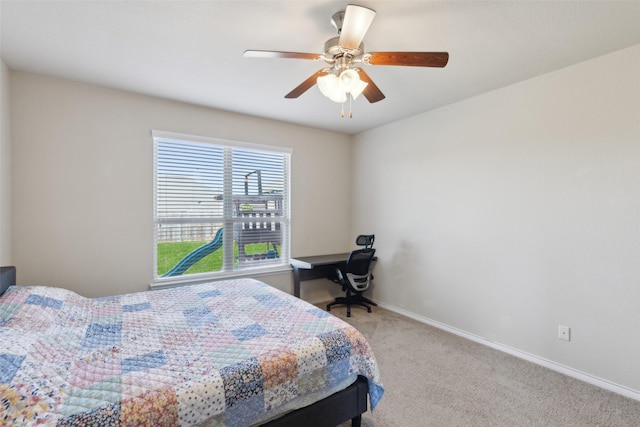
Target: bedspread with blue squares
(228, 353)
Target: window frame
(228, 220)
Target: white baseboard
(566, 370)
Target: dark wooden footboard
(348, 404)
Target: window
(221, 207)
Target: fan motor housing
(333, 49)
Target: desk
(316, 267)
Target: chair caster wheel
(368, 310)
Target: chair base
(352, 300)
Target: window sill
(193, 279)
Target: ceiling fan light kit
(336, 87)
(342, 81)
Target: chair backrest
(358, 269)
(359, 261)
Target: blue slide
(195, 256)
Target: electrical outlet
(564, 333)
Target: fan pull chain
(350, 112)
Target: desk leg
(296, 282)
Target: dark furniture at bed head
(7, 278)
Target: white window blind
(220, 206)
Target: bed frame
(345, 405)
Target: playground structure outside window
(221, 208)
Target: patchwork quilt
(230, 353)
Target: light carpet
(435, 378)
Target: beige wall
(5, 169)
(508, 214)
(82, 190)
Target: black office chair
(355, 277)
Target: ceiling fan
(342, 79)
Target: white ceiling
(192, 51)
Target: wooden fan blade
(307, 84)
(371, 92)
(278, 54)
(355, 25)
(411, 59)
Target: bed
(227, 353)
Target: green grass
(170, 253)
